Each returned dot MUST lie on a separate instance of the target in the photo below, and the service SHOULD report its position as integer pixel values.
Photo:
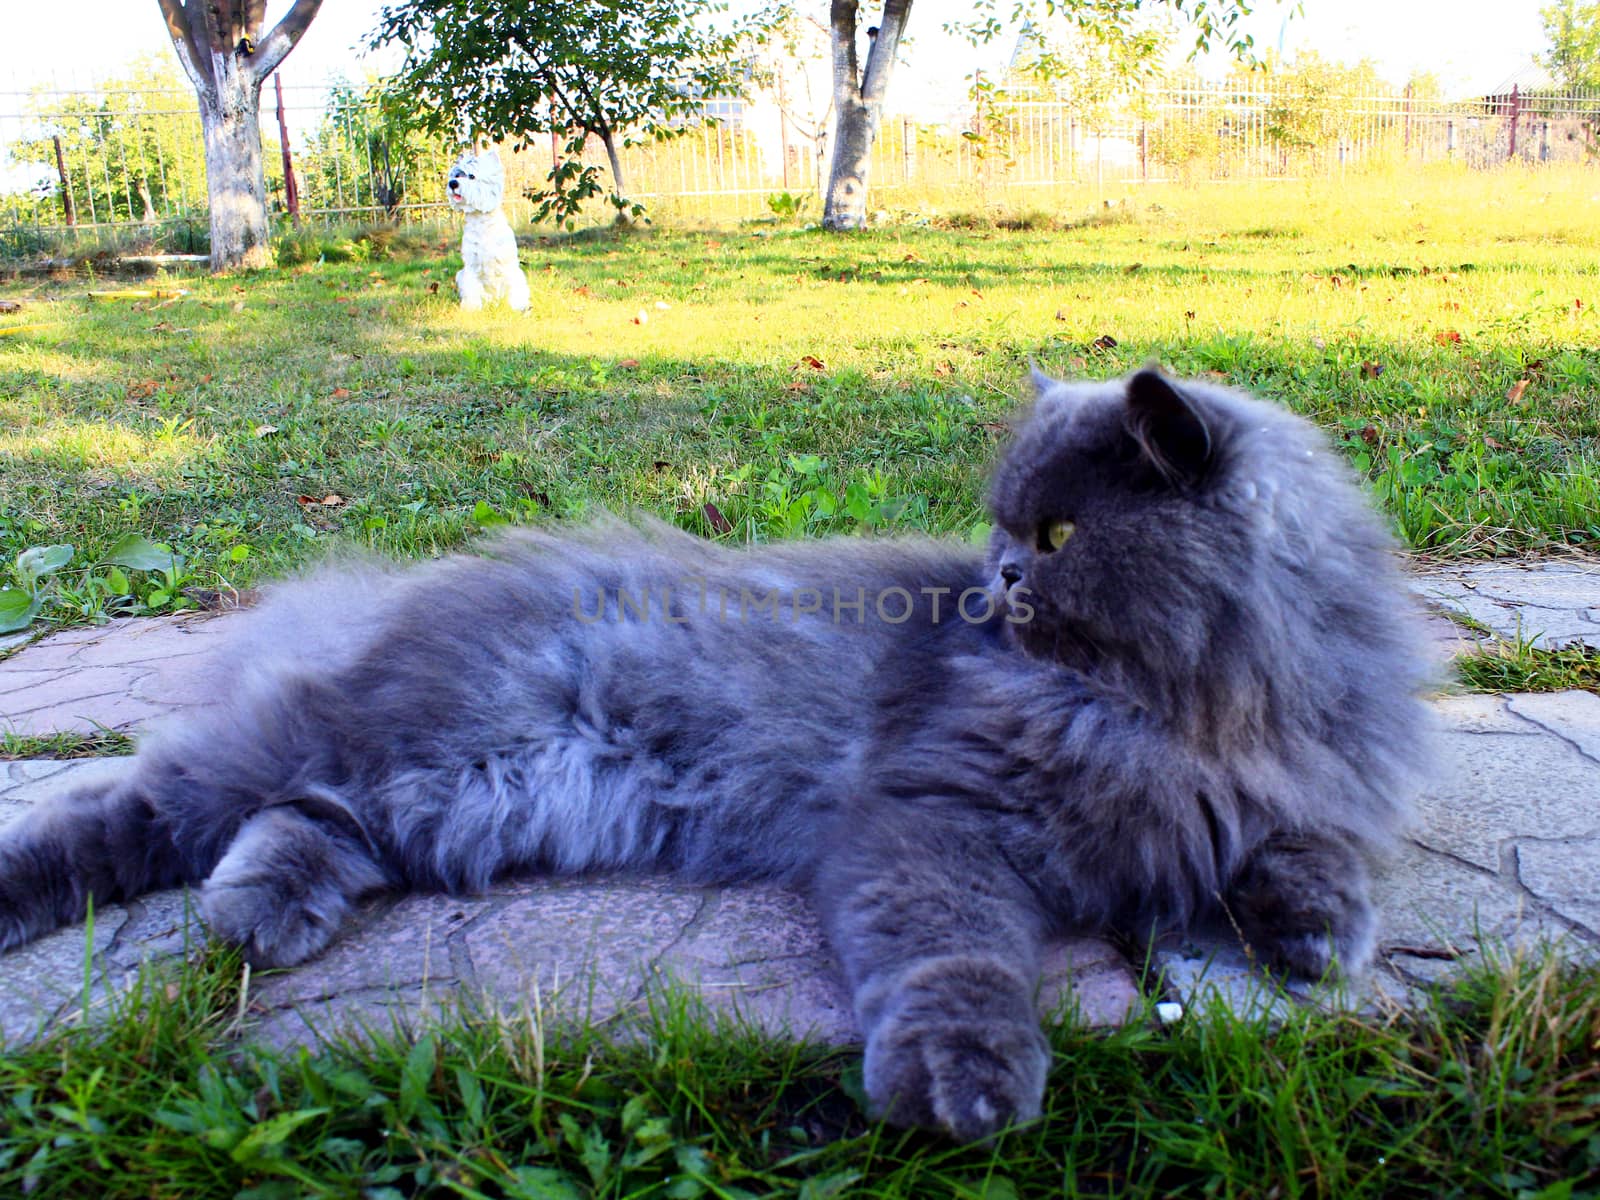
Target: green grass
(1491, 1087)
(802, 383)
(105, 743)
(1517, 666)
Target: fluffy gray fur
(1213, 706)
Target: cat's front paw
(970, 1078)
(1302, 906)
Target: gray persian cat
(1180, 683)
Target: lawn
(763, 382)
(798, 383)
(1491, 1088)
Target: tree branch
(846, 76)
(255, 13)
(195, 66)
(880, 59)
(547, 72)
(275, 47)
(213, 28)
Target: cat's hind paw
(284, 888)
(970, 1079)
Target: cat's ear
(1042, 383)
(1169, 429)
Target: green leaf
(140, 554)
(17, 610)
(117, 581)
(541, 1183)
(36, 562)
(471, 1096)
(416, 1077)
(825, 1187)
(265, 1140)
(485, 515)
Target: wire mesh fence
(127, 159)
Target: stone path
(1507, 853)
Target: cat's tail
(105, 840)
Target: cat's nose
(1011, 573)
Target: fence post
(783, 132)
(908, 148)
(291, 189)
(1516, 106)
(1408, 94)
(66, 186)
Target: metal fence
(128, 159)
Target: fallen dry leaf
(1104, 342)
(1447, 337)
(262, 431)
(715, 519)
(1369, 434)
(628, 364)
(641, 317)
(341, 393)
(433, 288)
(1371, 370)
(816, 364)
(1514, 392)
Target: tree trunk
(855, 128)
(235, 182)
(221, 47)
(857, 107)
(619, 187)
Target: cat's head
(1164, 532)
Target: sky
(1471, 45)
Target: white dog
(488, 247)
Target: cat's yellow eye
(1056, 534)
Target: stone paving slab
(1506, 852)
(121, 675)
(1550, 604)
(577, 949)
